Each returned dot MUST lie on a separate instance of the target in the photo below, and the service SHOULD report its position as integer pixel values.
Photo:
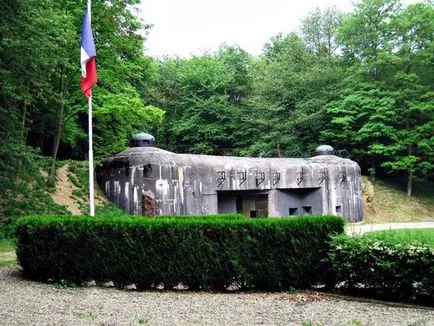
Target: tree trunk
(56, 141)
(278, 148)
(23, 123)
(24, 133)
(58, 126)
(409, 182)
(410, 170)
(372, 170)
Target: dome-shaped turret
(324, 150)
(143, 139)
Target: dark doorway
(250, 203)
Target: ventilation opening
(239, 204)
(339, 209)
(147, 169)
(252, 213)
(307, 210)
(293, 211)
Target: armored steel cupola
(324, 150)
(142, 139)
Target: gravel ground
(24, 302)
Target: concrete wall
(198, 184)
(298, 200)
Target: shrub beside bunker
(384, 267)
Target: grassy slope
(386, 201)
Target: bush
(200, 253)
(8, 227)
(383, 268)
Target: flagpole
(91, 187)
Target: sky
(191, 27)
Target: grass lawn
(405, 236)
(7, 253)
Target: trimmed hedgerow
(385, 268)
(200, 253)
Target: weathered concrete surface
(204, 184)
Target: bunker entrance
(249, 203)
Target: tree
(387, 111)
(319, 30)
(291, 85)
(204, 99)
(205, 123)
(39, 67)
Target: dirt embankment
(383, 203)
(64, 193)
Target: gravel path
(25, 302)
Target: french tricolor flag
(88, 53)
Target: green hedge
(200, 253)
(385, 268)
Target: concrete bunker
(148, 180)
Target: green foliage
(20, 177)
(319, 30)
(290, 87)
(203, 98)
(7, 245)
(7, 253)
(25, 191)
(384, 266)
(198, 252)
(110, 210)
(389, 109)
(64, 284)
(143, 321)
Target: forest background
(362, 81)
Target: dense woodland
(362, 81)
